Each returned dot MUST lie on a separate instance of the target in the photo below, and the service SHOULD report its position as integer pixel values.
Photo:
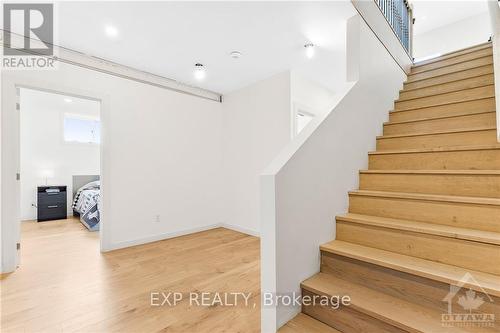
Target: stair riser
(450, 61)
(409, 287)
(452, 97)
(474, 216)
(455, 54)
(470, 83)
(487, 159)
(461, 185)
(487, 69)
(451, 69)
(473, 255)
(347, 319)
(438, 140)
(467, 122)
(463, 108)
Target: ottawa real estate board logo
(469, 305)
(28, 36)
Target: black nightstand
(52, 203)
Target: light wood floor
(65, 285)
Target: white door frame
(10, 208)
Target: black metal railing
(398, 14)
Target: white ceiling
(168, 38)
(431, 14)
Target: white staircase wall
(307, 183)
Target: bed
(86, 200)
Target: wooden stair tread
(435, 172)
(478, 129)
(406, 89)
(394, 311)
(423, 227)
(456, 59)
(416, 266)
(441, 104)
(404, 99)
(438, 149)
(451, 103)
(429, 197)
(445, 98)
(435, 118)
(451, 77)
(453, 54)
(303, 323)
(448, 65)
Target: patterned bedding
(86, 203)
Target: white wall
(43, 146)
(307, 183)
(315, 97)
(162, 155)
(257, 122)
(458, 35)
(494, 13)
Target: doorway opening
(60, 167)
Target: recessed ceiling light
(309, 50)
(424, 18)
(235, 54)
(68, 100)
(199, 71)
(111, 31)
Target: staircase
(427, 211)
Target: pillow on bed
(95, 185)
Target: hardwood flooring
(64, 284)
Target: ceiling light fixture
(68, 100)
(199, 71)
(309, 50)
(111, 31)
(235, 54)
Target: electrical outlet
(157, 219)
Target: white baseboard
(241, 229)
(120, 245)
(159, 237)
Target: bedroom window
(81, 130)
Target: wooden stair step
(421, 267)
(456, 211)
(409, 287)
(469, 83)
(471, 255)
(391, 311)
(454, 54)
(452, 109)
(473, 183)
(483, 157)
(451, 60)
(449, 77)
(439, 124)
(462, 66)
(444, 138)
(423, 227)
(303, 323)
(446, 98)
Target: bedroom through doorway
(60, 153)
